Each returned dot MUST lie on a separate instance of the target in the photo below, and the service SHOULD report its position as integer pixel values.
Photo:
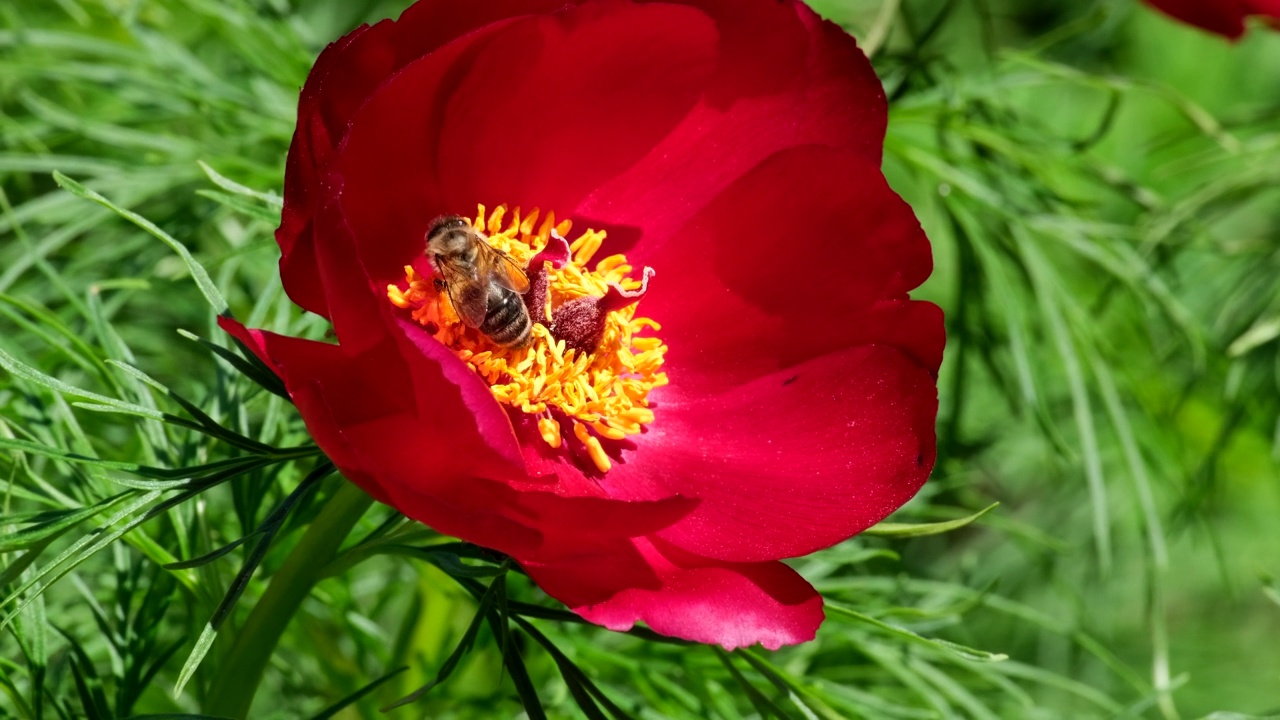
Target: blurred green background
(1102, 187)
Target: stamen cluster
(587, 364)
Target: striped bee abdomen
(507, 321)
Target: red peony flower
(723, 368)
(1224, 17)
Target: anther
(594, 449)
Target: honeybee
(484, 284)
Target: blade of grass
(911, 530)
(198, 273)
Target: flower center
(584, 368)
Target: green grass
(1100, 186)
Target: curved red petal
(332, 391)
(682, 595)
(832, 98)
(387, 164)
(533, 114)
(345, 75)
(763, 44)
(1224, 17)
(432, 462)
(562, 103)
(529, 524)
(387, 370)
(309, 152)
(807, 253)
(791, 462)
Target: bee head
(445, 223)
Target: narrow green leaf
(93, 698)
(201, 475)
(76, 551)
(88, 694)
(891, 660)
(762, 704)
(949, 647)
(355, 697)
(15, 568)
(177, 716)
(463, 647)
(203, 643)
(15, 697)
(952, 689)
(203, 422)
(232, 689)
(159, 661)
(519, 673)
(267, 531)
(198, 273)
(910, 530)
(1270, 588)
(26, 372)
(242, 206)
(584, 690)
(1260, 333)
(212, 555)
(236, 188)
(51, 523)
(1047, 294)
(1054, 680)
(90, 544)
(801, 697)
(581, 696)
(249, 365)
(49, 327)
(453, 565)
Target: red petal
(562, 103)
(528, 524)
(345, 74)
(433, 462)
(536, 114)
(831, 98)
(808, 253)
(682, 595)
(791, 462)
(331, 390)
(1224, 17)
(387, 166)
(763, 44)
(802, 402)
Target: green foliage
(1100, 186)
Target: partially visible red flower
(762, 389)
(1224, 17)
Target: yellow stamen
(605, 431)
(594, 449)
(550, 431)
(602, 394)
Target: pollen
(586, 373)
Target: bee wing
(469, 296)
(502, 269)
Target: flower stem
(240, 672)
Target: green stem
(240, 672)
